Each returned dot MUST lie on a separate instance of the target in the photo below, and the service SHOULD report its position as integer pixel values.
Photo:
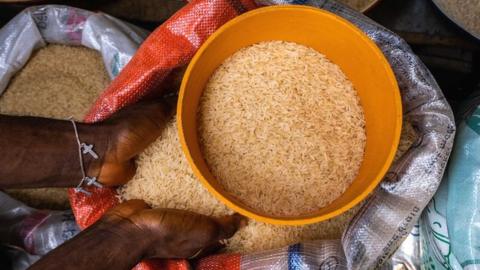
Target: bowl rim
(301, 220)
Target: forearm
(40, 152)
(105, 245)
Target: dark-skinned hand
(174, 233)
(131, 232)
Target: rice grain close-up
(57, 82)
(282, 129)
(465, 13)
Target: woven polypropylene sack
(170, 46)
(392, 209)
(35, 27)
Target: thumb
(128, 208)
(229, 225)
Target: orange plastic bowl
(344, 44)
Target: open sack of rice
(50, 66)
(240, 97)
(164, 178)
(371, 232)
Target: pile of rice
(466, 13)
(282, 129)
(57, 82)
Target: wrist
(44, 152)
(96, 135)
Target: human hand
(130, 131)
(131, 232)
(173, 233)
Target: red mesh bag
(170, 46)
(220, 262)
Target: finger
(141, 127)
(155, 107)
(162, 110)
(230, 225)
(170, 102)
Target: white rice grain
(282, 129)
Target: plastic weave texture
(394, 207)
(170, 46)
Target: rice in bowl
(282, 129)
